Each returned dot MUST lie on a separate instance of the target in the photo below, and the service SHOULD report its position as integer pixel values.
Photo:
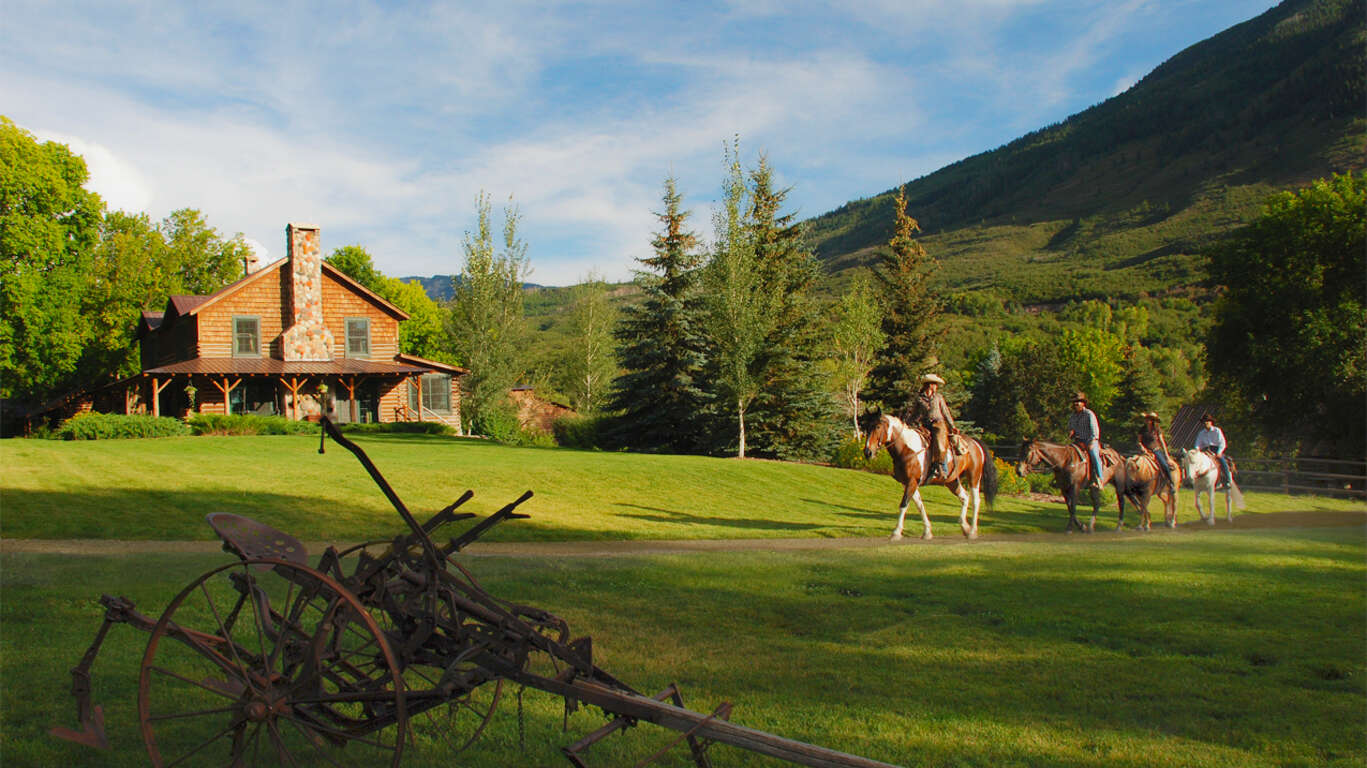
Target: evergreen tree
(793, 411)
(910, 313)
(660, 344)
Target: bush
(399, 428)
(850, 455)
(582, 432)
(111, 426)
(249, 424)
(1008, 481)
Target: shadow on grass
(676, 517)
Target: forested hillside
(1113, 201)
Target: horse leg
(902, 513)
(1070, 497)
(1096, 507)
(925, 518)
(977, 502)
(957, 487)
(1229, 514)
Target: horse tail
(989, 473)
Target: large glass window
(246, 336)
(358, 337)
(436, 393)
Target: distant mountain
(1115, 199)
(442, 287)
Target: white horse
(1204, 471)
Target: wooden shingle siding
(262, 299)
(339, 303)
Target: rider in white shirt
(1211, 439)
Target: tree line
(737, 344)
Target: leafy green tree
(49, 224)
(741, 311)
(661, 346)
(591, 363)
(1289, 330)
(197, 260)
(356, 263)
(126, 277)
(856, 337)
(1096, 358)
(486, 319)
(911, 312)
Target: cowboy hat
(1207, 417)
(1080, 397)
(1149, 415)
(931, 378)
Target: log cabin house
(296, 338)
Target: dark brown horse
(1140, 479)
(1069, 465)
(970, 472)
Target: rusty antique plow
(271, 661)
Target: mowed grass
(1221, 649)
(162, 489)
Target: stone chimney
(306, 338)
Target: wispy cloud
(380, 122)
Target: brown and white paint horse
(1069, 466)
(971, 474)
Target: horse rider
(1151, 441)
(1084, 430)
(1211, 439)
(929, 410)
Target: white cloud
(117, 181)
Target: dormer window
(246, 336)
(358, 337)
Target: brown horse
(1140, 479)
(969, 471)
(1069, 465)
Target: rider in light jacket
(1211, 439)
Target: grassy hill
(1115, 200)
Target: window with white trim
(358, 337)
(246, 336)
(436, 393)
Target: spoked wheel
(270, 663)
(442, 725)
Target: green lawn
(1221, 649)
(161, 489)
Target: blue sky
(381, 122)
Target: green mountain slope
(1113, 201)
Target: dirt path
(1321, 519)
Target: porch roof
(269, 366)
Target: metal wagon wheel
(270, 663)
(453, 724)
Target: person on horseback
(1151, 441)
(1084, 430)
(929, 410)
(1211, 439)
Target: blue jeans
(1094, 450)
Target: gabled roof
(181, 305)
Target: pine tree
(911, 313)
(661, 345)
(793, 411)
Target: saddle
(957, 449)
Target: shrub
(112, 426)
(583, 432)
(398, 427)
(1008, 481)
(850, 455)
(249, 424)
